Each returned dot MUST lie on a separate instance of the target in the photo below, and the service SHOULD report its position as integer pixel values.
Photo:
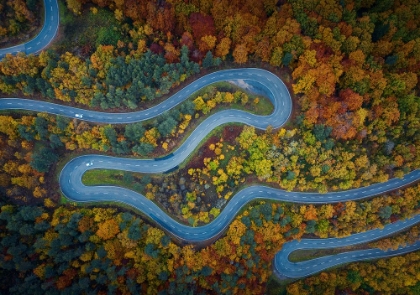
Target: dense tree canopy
(352, 68)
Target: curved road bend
(267, 83)
(45, 36)
(272, 87)
(286, 269)
(73, 188)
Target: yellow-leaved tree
(108, 229)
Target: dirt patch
(230, 133)
(203, 152)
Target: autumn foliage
(354, 72)
(108, 229)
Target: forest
(18, 20)
(352, 68)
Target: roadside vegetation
(20, 21)
(352, 68)
(84, 32)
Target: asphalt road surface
(257, 80)
(45, 36)
(286, 269)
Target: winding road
(256, 80)
(45, 36)
(286, 269)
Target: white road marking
(261, 191)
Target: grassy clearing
(126, 179)
(302, 255)
(63, 200)
(102, 176)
